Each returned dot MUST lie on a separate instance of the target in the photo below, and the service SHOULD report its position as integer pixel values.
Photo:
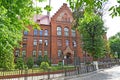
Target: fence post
(65, 72)
(26, 72)
(48, 73)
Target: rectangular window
(46, 32)
(24, 53)
(41, 32)
(74, 43)
(59, 53)
(24, 45)
(17, 53)
(73, 33)
(67, 43)
(34, 53)
(59, 42)
(35, 32)
(46, 42)
(45, 53)
(40, 53)
(25, 33)
(40, 41)
(35, 42)
(24, 39)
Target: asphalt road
(107, 74)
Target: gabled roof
(42, 19)
(63, 11)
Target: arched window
(59, 31)
(35, 32)
(73, 33)
(46, 33)
(66, 31)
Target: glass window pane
(35, 42)
(59, 31)
(17, 53)
(41, 32)
(46, 42)
(35, 32)
(23, 53)
(66, 31)
(73, 33)
(59, 53)
(74, 43)
(40, 41)
(40, 53)
(45, 53)
(67, 43)
(25, 32)
(34, 53)
(59, 43)
(46, 33)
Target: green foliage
(46, 59)
(94, 4)
(20, 63)
(93, 32)
(44, 66)
(114, 42)
(39, 60)
(30, 62)
(60, 63)
(7, 61)
(15, 15)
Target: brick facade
(62, 41)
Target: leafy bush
(44, 66)
(30, 62)
(60, 63)
(46, 59)
(20, 63)
(39, 60)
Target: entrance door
(68, 58)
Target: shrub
(39, 60)
(20, 63)
(44, 66)
(46, 59)
(30, 62)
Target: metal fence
(36, 74)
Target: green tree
(15, 15)
(20, 63)
(93, 32)
(94, 4)
(39, 60)
(114, 42)
(30, 62)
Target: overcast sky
(113, 24)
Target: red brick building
(56, 39)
